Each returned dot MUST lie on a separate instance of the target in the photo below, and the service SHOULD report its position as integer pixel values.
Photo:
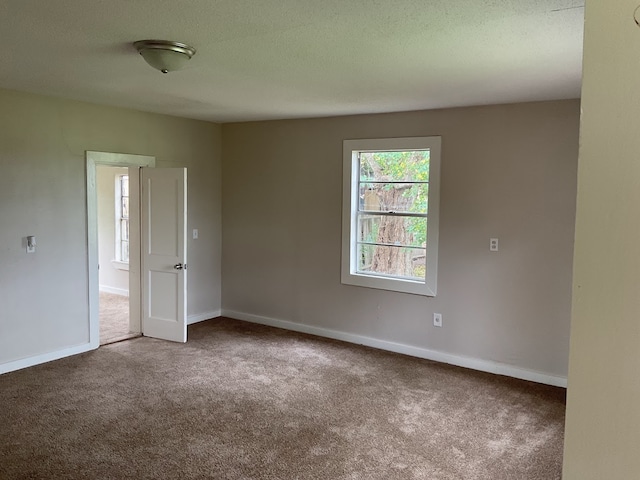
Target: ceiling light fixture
(164, 55)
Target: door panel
(164, 255)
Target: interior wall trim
(67, 352)
(115, 291)
(201, 317)
(44, 358)
(460, 361)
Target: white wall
(43, 141)
(507, 171)
(112, 278)
(602, 439)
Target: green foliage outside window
(410, 166)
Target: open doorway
(114, 284)
(157, 220)
(113, 202)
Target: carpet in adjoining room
(114, 318)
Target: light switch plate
(31, 244)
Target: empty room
(342, 239)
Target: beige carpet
(241, 401)
(114, 318)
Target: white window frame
(350, 201)
(119, 263)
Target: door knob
(179, 266)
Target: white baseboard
(201, 317)
(45, 357)
(461, 361)
(114, 290)
(467, 362)
(67, 352)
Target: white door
(164, 253)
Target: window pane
(125, 251)
(125, 207)
(124, 229)
(392, 261)
(394, 197)
(411, 165)
(399, 231)
(124, 181)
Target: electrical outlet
(437, 319)
(493, 244)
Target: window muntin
(390, 202)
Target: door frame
(93, 159)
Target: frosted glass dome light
(164, 55)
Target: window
(390, 214)
(122, 218)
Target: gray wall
(43, 140)
(507, 171)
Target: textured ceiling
(267, 59)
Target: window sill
(117, 264)
(391, 284)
